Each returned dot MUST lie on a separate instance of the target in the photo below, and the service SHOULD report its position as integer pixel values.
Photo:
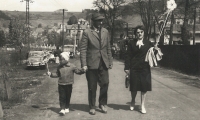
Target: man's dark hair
(141, 27)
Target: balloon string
(160, 33)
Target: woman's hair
(141, 27)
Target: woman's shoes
(131, 107)
(143, 110)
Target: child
(65, 72)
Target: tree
(16, 31)
(72, 20)
(112, 9)
(53, 38)
(40, 25)
(189, 6)
(88, 14)
(2, 38)
(151, 12)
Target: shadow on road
(73, 107)
(54, 109)
(123, 107)
(81, 107)
(118, 106)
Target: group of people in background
(96, 60)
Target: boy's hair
(65, 55)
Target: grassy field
(18, 79)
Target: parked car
(36, 59)
(51, 57)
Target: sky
(47, 5)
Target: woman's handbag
(127, 81)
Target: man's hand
(48, 73)
(127, 72)
(85, 68)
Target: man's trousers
(94, 77)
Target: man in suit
(96, 59)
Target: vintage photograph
(99, 59)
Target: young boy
(65, 72)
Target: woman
(137, 68)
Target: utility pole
(27, 22)
(194, 26)
(63, 11)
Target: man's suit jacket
(92, 48)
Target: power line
(60, 5)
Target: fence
(49, 48)
(1, 111)
(183, 58)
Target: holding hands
(48, 73)
(110, 66)
(84, 68)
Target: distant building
(37, 32)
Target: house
(177, 33)
(37, 32)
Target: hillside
(43, 15)
(44, 18)
(49, 18)
(4, 16)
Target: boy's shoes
(92, 111)
(103, 108)
(67, 110)
(62, 112)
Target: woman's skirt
(140, 80)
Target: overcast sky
(47, 5)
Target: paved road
(169, 100)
